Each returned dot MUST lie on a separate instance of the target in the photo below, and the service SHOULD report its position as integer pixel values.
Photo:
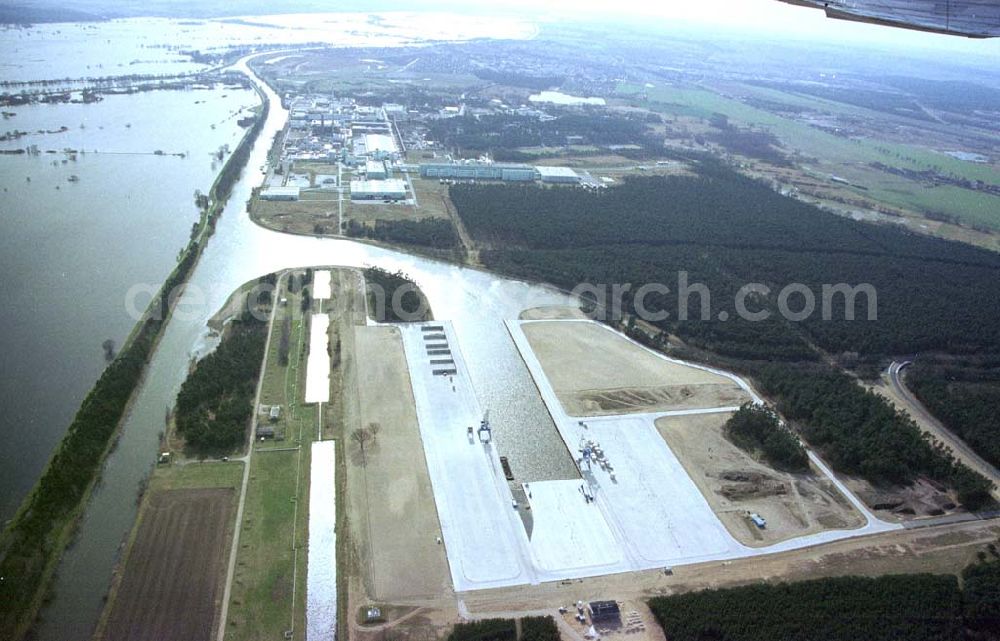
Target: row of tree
(427, 232)
(541, 628)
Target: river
(477, 302)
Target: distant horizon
(747, 18)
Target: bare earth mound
(595, 371)
(734, 484)
(172, 581)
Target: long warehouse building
(479, 171)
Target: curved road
(926, 420)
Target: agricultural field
(172, 584)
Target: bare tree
(361, 436)
(373, 429)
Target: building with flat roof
(279, 193)
(390, 189)
(557, 175)
(375, 170)
(478, 170)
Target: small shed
(275, 413)
(265, 432)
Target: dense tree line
(966, 399)
(394, 298)
(756, 428)
(541, 628)
(215, 403)
(427, 232)
(506, 131)
(919, 607)
(859, 432)
(485, 630)
(981, 592)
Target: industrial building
(375, 170)
(280, 193)
(390, 189)
(563, 175)
(479, 170)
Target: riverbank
(44, 525)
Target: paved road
(928, 421)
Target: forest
(756, 428)
(394, 298)
(723, 230)
(215, 403)
(428, 232)
(917, 607)
(859, 432)
(486, 133)
(964, 397)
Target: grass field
(268, 594)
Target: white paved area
(570, 533)
(646, 513)
(484, 538)
(656, 512)
(321, 580)
(321, 284)
(318, 363)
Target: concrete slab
(656, 513)
(318, 363)
(569, 533)
(321, 285)
(484, 539)
(321, 580)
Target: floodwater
(80, 252)
(69, 251)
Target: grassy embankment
(34, 540)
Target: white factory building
(280, 193)
(557, 175)
(391, 189)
